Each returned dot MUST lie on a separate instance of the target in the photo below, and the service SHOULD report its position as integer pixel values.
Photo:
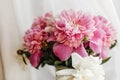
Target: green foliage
(89, 51)
(51, 59)
(24, 54)
(105, 60)
(114, 44)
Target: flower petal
(99, 34)
(81, 51)
(104, 52)
(66, 72)
(96, 45)
(62, 51)
(35, 59)
(51, 37)
(76, 60)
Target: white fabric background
(16, 17)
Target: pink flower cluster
(72, 32)
(104, 36)
(35, 36)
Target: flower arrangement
(76, 43)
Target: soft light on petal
(88, 68)
(104, 52)
(99, 34)
(96, 45)
(62, 51)
(76, 60)
(51, 37)
(35, 59)
(81, 51)
(65, 72)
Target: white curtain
(1, 71)
(16, 17)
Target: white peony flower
(87, 68)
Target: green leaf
(113, 45)
(105, 60)
(57, 63)
(60, 67)
(69, 63)
(27, 54)
(96, 55)
(24, 60)
(42, 64)
(89, 51)
(66, 63)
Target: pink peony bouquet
(54, 39)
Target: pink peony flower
(35, 59)
(110, 36)
(33, 39)
(39, 33)
(44, 21)
(72, 27)
(104, 36)
(108, 31)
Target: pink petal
(99, 34)
(96, 45)
(51, 37)
(60, 25)
(62, 51)
(49, 14)
(35, 59)
(86, 44)
(81, 51)
(104, 52)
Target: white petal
(77, 60)
(65, 72)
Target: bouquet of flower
(76, 43)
